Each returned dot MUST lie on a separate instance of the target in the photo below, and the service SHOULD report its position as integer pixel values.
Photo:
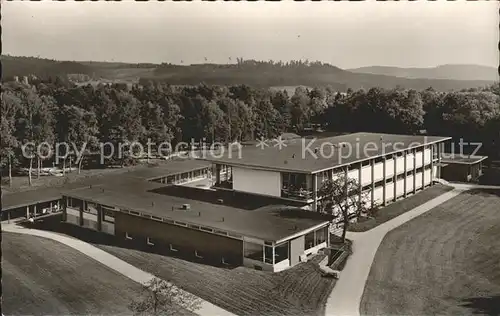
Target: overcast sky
(345, 34)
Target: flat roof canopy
(38, 195)
(310, 155)
(270, 222)
(462, 159)
(171, 167)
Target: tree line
(55, 110)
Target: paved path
(346, 295)
(111, 261)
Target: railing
(300, 194)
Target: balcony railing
(299, 194)
(224, 184)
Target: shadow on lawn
(54, 224)
(484, 305)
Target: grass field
(446, 261)
(298, 291)
(41, 277)
(399, 207)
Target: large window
(254, 251)
(281, 252)
(268, 254)
(91, 208)
(320, 235)
(74, 203)
(296, 185)
(315, 238)
(309, 240)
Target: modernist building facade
(254, 215)
(202, 231)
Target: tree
(9, 110)
(36, 124)
(300, 108)
(340, 197)
(79, 128)
(163, 298)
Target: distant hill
(250, 72)
(268, 75)
(22, 66)
(41, 67)
(450, 72)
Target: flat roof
(270, 222)
(38, 195)
(298, 155)
(171, 167)
(462, 159)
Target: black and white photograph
(250, 158)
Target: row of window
(264, 253)
(173, 248)
(315, 238)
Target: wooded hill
(249, 72)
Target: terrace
(296, 186)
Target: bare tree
(163, 298)
(343, 199)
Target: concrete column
(64, 206)
(423, 168)
(99, 217)
(81, 212)
(372, 165)
(27, 212)
(405, 177)
(384, 187)
(314, 192)
(440, 149)
(274, 255)
(217, 174)
(330, 174)
(415, 171)
(345, 185)
(432, 164)
(395, 157)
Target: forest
(56, 110)
(255, 73)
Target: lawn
(399, 207)
(446, 261)
(300, 290)
(41, 277)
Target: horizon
(428, 34)
(284, 61)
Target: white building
(388, 167)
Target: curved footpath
(346, 296)
(348, 291)
(120, 266)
